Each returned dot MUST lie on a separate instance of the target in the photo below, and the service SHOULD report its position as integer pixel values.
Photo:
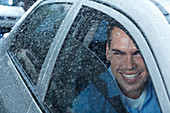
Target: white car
(58, 47)
(9, 14)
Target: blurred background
(11, 11)
(25, 3)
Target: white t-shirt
(136, 103)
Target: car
(9, 14)
(58, 46)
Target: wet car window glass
(79, 63)
(93, 32)
(33, 41)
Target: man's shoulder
(85, 99)
(91, 90)
(100, 86)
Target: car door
(26, 56)
(83, 50)
(74, 53)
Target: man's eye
(118, 53)
(137, 53)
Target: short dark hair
(114, 24)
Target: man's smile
(130, 77)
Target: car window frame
(141, 40)
(25, 80)
(147, 53)
(45, 33)
(45, 74)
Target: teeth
(132, 76)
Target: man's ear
(108, 54)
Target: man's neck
(137, 103)
(133, 94)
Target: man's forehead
(119, 34)
(120, 39)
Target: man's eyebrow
(118, 51)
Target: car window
(81, 62)
(34, 39)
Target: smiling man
(127, 64)
(127, 73)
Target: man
(131, 75)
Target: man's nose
(130, 62)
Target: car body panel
(14, 92)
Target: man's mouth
(131, 77)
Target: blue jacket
(91, 100)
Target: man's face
(127, 64)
